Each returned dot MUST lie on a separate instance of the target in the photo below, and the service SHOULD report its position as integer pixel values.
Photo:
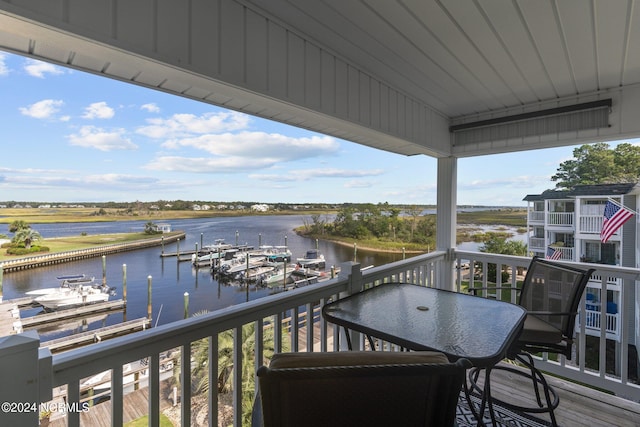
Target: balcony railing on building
(590, 224)
(536, 216)
(289, 321)
(560, 219)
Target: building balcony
(536, 217)
(590, 224)
(290, 321)
(560, 219)
(537, 244)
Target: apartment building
(566, 225)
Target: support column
(446, 220)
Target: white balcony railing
(561, 219)
(567, 253)
(284, 322)
(593, 324)
(537, 243)
(536, 216)
(590, 224)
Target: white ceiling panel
(392, 74)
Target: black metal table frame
(424, 306)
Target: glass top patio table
(421, 318)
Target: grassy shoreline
(73, 243)
(505, 217)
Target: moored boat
(312, 259)
(274, 253)
(75, 295)
(65, 282)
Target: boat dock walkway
(12, 323)
(25, 263)
(72, 313)
(97, 335)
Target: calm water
(170, 279)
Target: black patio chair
(551, 293)
(357, 388)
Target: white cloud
(4, 68)
(523, 181)
(181, 125)
(358, 184)
(151, 107)
(39, 69)
(278, 147)
(309, 174)
(98, 110)
(93, 137)
(42, 109)
(208, 164)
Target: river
(170, 279)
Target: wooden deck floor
(579, 406)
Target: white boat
(134, 375)
(218, 246)
(278, 278)
(312, 259)
(258, 273)
(74, 295)
(274, 253)
(240, 264)
(65, 282)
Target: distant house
(196, 207)
(163, 227)
(260, 208)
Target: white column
(446, 218)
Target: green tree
(498, 244)
(200, 362)
(26, 236)
(151, 228)
(17, 225)
(599, 164)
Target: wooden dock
(97, 335)
(72, 313)
(24, 263)
(11, 323)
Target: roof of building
(584, 190)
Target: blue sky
(70, 136)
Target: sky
(69, 136)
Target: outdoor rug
(504, 416)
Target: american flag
(553, 253)
(614, 217)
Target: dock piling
(124, 282)
(104, 270)
(186, 305)
(149, 297)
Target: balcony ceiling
(412, 68)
